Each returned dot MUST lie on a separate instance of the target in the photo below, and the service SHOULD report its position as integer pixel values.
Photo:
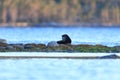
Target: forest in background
(60, 11)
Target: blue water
(79, 35)
(59, 69)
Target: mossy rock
(15, 47)
(29, 46)
(91, 48)
(34, 47)
(3, 44)
(2, 49)
(40, 46)
(60, 48)
(116, 49)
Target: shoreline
(32, 47)
(53, 24)
(43, 55)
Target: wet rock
(10, 47)
(53, 47)
(3, 44)
(15, 47)
(29, 46)
(92, 48)
(34, 47)
(112, 56)
(52, 44)
(60, 48)
(19, 47)
(3, 41)
(116, 49)
(1, 48)
(40, 46)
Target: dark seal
(65, 40)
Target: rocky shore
(32, 47)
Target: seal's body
(65, 40)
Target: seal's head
(65, 39)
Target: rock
(10, 47)
(54, 47)
(3, 41)
(15, 47)
(1, 48)
(52, 44)
(116, 49)
(19, 46)
(41, 46)
(34, 47)
(92, 48)
(60, 48)
(113, 56)
(3, 44)
(29, 46)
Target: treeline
(63, 11)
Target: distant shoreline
(54, 24)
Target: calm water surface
(79, 35)
(59, 69)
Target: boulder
(3, 41)
(41, 46)
(2, 48)
(10, 47)
(112, 56)
(60, 48)
(3, 44)
(29, 46)
(18, 46)
(92, 48)
(52, 44)
(116, 49)
(15, 47)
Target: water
(59, 69)
(79, 35)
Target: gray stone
(1, 47)
(10, 47)
(29, 46)
(112, 56)
(20, 46)
(52, 44)
(3, 41)
(3, 44)
(15, 47)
